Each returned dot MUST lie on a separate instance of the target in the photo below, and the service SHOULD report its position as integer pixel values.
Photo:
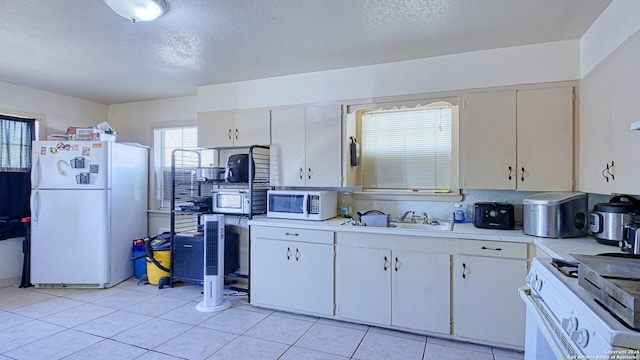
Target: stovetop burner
(566, 267)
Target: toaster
(632, 244)
(493, 215)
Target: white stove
(564, 321)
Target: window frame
(26, 155)
(354, 128)
(158, 162)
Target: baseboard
(13, 281)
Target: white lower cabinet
(399, 281)
(292, 269)
(394, 286)
(364, 284)
(488, 275)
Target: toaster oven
(493, 215)
(230, 201)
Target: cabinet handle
(310, 173)
(229, 134)
(609, 172)
(387, 264)
(510, 170)
(301, 173)
(465, 271)
(522, 175)
(398, 264)
(298, 255)
(488, 248)
(292, 234)
(288, 253)
(236, 134)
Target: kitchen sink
(433, 225)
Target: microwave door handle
(307, 207)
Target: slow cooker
(609, 222)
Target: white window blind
(170, 139)
(177, 138)
(407, 149)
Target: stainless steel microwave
(302, 204)
(230, 201)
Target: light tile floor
(130, 321)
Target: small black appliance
(238, 168)
(493, 215)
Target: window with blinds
(16, 135)
(407, 149)
(166, 141)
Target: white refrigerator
(88, 203)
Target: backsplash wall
(444, 210)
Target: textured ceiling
(81, 48)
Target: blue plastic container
(139, 265)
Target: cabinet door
(252, 128)
(313, 277)
(287, 160)
(363, 284)
(545, 139)
(625, 142)
(271, 272)
(324, 146)
(595, 134)
(487, 303)
(490, 141)
(215, 129)
(421, 291)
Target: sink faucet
(404, 216)
(425, 218)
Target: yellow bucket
(154, 273)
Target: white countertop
(560, 248)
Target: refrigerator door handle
(34, 208)
(34, 171)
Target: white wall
(615, 25)
(134, 121)
(57, 112)
(556, 61)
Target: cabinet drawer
(499, 249)
(292, 234)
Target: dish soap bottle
(346, 210)
(458, 214)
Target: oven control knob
(537, 284)
(570, 324)
(580, 337)
(531, 278)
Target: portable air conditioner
(213, 265)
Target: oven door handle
(525, 294)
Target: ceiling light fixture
(138, 10)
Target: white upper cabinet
(306, 146)
(288, 147)
(238, 129)
(609, 149)
(489, 135)
(323, 146)
(519, 140)
(545, 139)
